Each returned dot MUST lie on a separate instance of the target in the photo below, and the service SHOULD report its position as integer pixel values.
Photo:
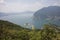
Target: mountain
(15, 13)
(46, 15)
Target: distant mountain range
(14, 13)
(45, 15)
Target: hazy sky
(26, 5)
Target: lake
(19, 19)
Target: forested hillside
(11, 31)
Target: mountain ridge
(47, 14)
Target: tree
(48, 33)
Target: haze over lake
(19, 19)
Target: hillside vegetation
(11, 31)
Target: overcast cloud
(26, 5)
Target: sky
(26, 5)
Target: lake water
(20, 19)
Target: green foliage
(48, 33)
(10, 31)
